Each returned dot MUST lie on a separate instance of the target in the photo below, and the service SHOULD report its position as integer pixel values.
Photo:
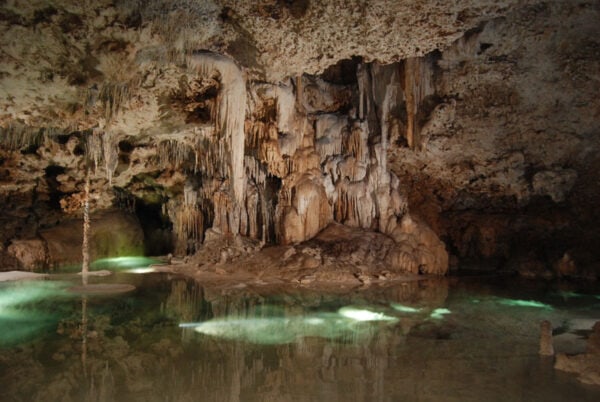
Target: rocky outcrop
(113, 234)
(475, 124)
(586, 365)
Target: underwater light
(404, 309)
(439, 313)
(274, 330)
(20, 316)
(567, 294)
(124, 262)
(26, 292)
(524, 303)
(279, 330)
(140, 270)
(364, 315)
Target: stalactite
(188, 225)
(111, 154)
(102, 147)
(94, 148)
(113, 96)
(392, 91)
(255, 171)
(418, 84)
(174, 153)
(363, 76)
(19, 136)
(231, 113)
(329, 133)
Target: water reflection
(20, 317)
(285, 344)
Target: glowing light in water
(525, 303)
(19, 293)
(140, 270)
(405, 309)
(439, 313)
(348, 323)
(19, 319)
(364, 315)
(568, 294)
(274, 330)
(123, 262)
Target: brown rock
(31, 254)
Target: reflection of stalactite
(85, 266)
(84, 328)
(184, 302)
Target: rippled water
(174, 340)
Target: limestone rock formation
(586, 365)
(113, 234)
(464, 128)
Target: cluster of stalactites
(383, 89)
(188, 222)
(16, 136)
(102, 149)
(175, 153)
(298, 170)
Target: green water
(174, 340)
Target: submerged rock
(586, 365)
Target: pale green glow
(439, 313)
(568, 294)
(273, 330)
(18, 293)
(123, 262)
(140, 270)
(19, 317)
(356, 323)
(364, 315)
(405, 309)
(524, 303)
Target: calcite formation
(465, 132)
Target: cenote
(173, 339)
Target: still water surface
(171, 339)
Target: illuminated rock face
(273, 121)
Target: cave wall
(476, 123)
